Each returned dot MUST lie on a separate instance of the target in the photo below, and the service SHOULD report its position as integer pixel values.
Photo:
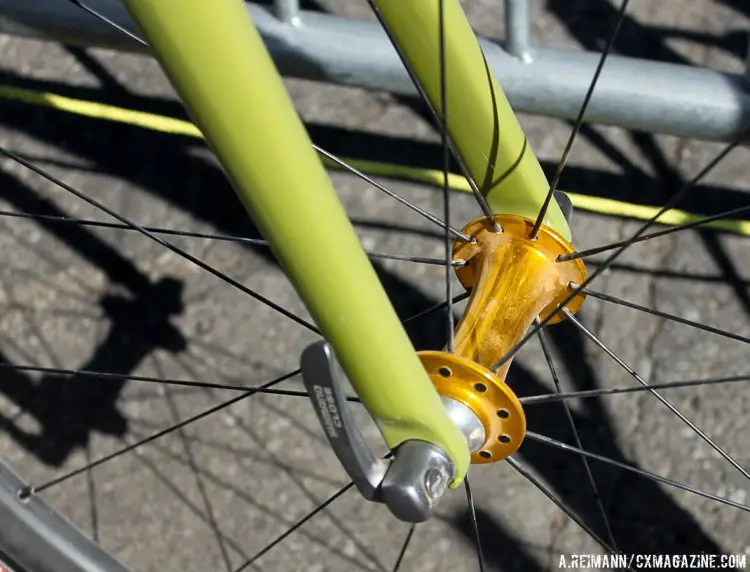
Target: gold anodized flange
(513, 280)
(491, 400)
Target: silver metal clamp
(411, 483)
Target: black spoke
(64, 477)
(549, 398)
(665, 232)
(672, 317)
(648, 474)
(158, 240)
(294, 527)
(206, 235)
(450, 335)
(474, 523)
(88, 374)
(192, 464)
(103, 18)
(576, 437)
(436, 307)
(612, 257)
(114, 225)
(103, 375)
(121, 376)
(432, 218)
(697, 430)
(404, 548)
(478, 196)
(557, 502)
(418, 259)
(323, 152)
(579, 121)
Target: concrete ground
(211, 495)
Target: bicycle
(477, 414)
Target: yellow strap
(434, 177)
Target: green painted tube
(216, 60)
(481, 123)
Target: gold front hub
(513, 279)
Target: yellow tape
(434, 177)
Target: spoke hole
(504, 439)
(24, 494)
(485, 454)
(503, 413)
(480, 387)
(445, 371)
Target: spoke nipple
(459, 262)
(572, 285)
(24, 494)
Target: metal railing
(632, 93)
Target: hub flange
(490, 399)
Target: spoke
(297, 525)
(656, 394)
(28, 491)
(432, 218)
(478, 196)
(419, 259)
(103, 375)
(475, 524)
(577, 439)
(672, 317)
(648, 474)
(103, 18)
(191, 463)
(436, 307)
(458, 234)
(557, 502)
(537, 399)
(165, 244)
(207, 235)
(450, 334)
(118, 226)
(579, 121)
(673, 229)
(612, 257)
(82, 373)
(404, 548)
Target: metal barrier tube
(518, 29)
(633, 94)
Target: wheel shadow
(643, 517)
(69, 407)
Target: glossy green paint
(481, 123)
(216, 60)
